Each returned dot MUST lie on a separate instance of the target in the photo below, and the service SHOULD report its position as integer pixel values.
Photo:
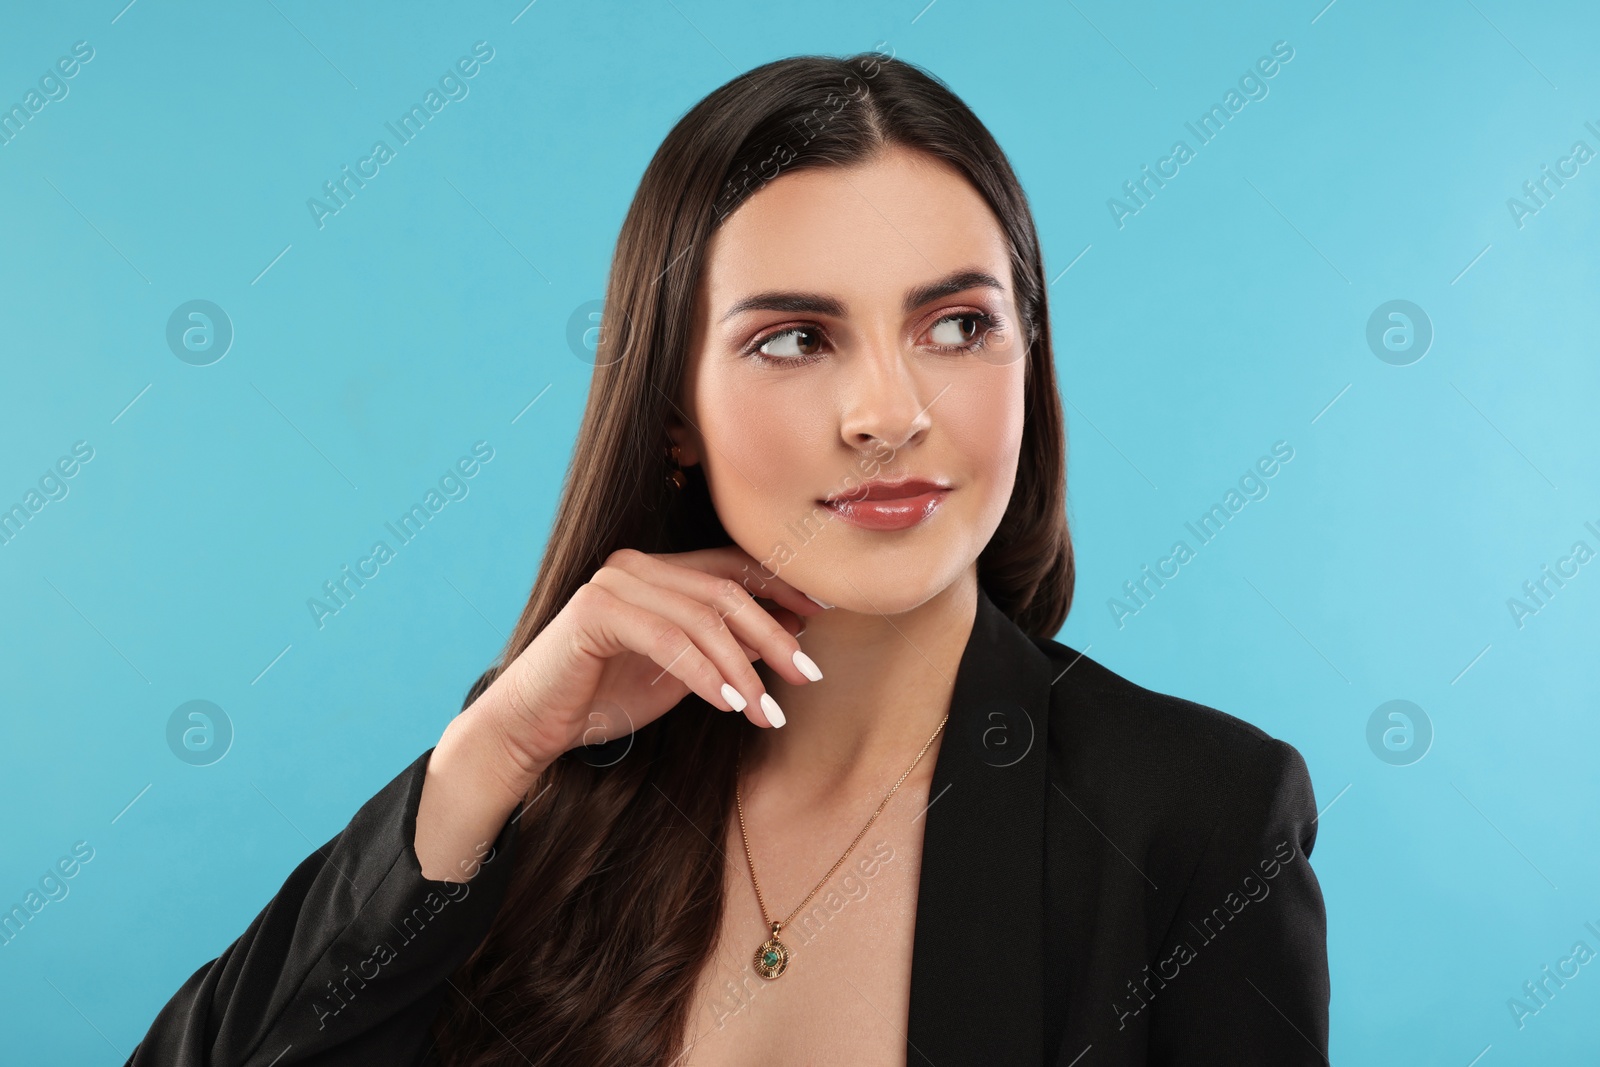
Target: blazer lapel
(977, 970)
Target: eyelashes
(986, 331)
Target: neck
(887, 681)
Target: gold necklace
(772, 957)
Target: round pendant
(771, 958)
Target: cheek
(987, 430)
(757, 438)
(743, 426)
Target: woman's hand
(641, 634)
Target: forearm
(349, 959)
(473, 784)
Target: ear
(688, 443)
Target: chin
(873, 571)
(879, 583)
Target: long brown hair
(617, 890)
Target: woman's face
(833, 347)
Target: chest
(845, 993)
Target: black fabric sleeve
(1242, 977)
(348, 963)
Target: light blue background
(1228, 314)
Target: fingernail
(731, 695)
(807, 666)
(770, 706)
(818, 603)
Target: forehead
(871, 231)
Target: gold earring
(675, 477)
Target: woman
(824, 405)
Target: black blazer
(1110, 876)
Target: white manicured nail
(770, 706)
(818, 603)
(807, 667)
(731, 695)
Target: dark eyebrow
(818, 304)
(954, 283)
(785, 300)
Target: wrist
(509, 740)
(473, 748)
(511, 726)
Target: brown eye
(795, 342)
(962, 330)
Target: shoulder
(1170, 763)
(1089, 697)
(1167, 822)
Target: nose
(883, 403)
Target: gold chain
(738, 800)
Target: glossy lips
(889, 505)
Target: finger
(731, 561)
(750, 623)
(707, 630)
(794, 624)
(623, 625)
